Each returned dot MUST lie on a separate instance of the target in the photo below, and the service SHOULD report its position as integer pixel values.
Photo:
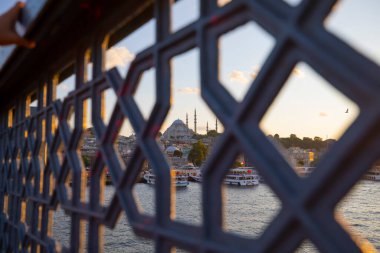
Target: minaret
(216, 125)
(195, 120)
(207, 128)
(187, 121)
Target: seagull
(347, 110)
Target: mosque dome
(171, 149)
(178, 122)
(178, 131)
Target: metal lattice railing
(34, 180)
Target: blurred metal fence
(34, 170)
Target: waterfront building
(123, 144)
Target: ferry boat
(188, 170)
(179, 180)
(241, 177)
(373, 174)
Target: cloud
(65, 87)
(189, 90)
(298, 73)
(239, 77)
(118, 57)
(255, 71)
(245, 77)
(323, 114)
(223, 2)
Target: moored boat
(197, 177)
(188, 170)
(241, 177)
(304, 171)
(372, 174)
(177, 179)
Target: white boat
(150, 178)
(178, 180)
(373, 174)
(197, 177)
(188, 170)
(242, 177)
(304, 171)
(254, 172)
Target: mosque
(179, 131)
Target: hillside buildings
(177, 141)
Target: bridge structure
(38, 148)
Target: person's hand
(8, 34)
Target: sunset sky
(306, 106)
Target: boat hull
(371, 177)
(151, 179)
(181, 184)
(241, 182)
(196, 178)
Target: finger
(17, 7)
(14, 38)
(13, 13)
(26, 43)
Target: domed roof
(171, 149)
(177, 131)
(178, 122)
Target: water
(248, 211)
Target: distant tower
(195, 120)
(207, 128)
(187, 121)
(216, 125)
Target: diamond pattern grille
(28, 192)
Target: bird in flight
(347, 110)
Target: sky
(5, 5)
(307, 105)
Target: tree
(212, 133)
(318, 142)
(295, 141)
(307, 143)
(199, 136)
(197, 153)
(236, 164)
(300, 163)
(86, 160)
